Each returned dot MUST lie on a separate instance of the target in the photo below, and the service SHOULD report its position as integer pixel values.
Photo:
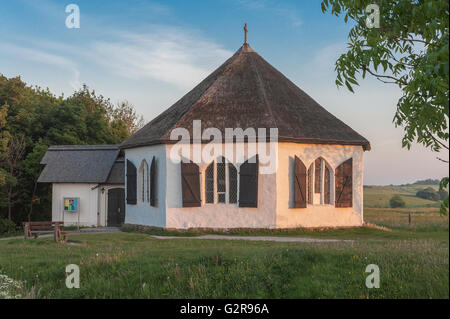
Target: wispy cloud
(42, 57)
(167, 54)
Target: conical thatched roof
(247, 92)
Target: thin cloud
(43, 57)
(167, 54)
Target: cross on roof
(245, 31)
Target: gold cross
(245, 31)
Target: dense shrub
(397, 201)
(442, 194)
(428, 193)
(7, 226)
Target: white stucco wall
(318, 215)
(275, 191)
(219, 215)
(143, 213)
(88, 203)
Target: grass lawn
(413, 261)
(128, 265)
(379, 196)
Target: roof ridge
(226, 65)
(262, 89)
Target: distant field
(379, 196)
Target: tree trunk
(31, 202)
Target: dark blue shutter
(153, 190)
(248, 183)
(131, 184)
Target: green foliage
(396, 201)
(7, 226)
(443, 194)
(428, 181)
(43, 119)
(428, 193)
(411, 50)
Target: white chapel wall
(88, 203)
(219, 215)
(143, 213)
(318, 215)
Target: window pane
(221, 186)
(221, 198)
(310, 186)
(232, 176)
(317, 177)
(209, 183)
(327, 185)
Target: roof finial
(245, 32)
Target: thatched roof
(247, 92)
(82, 164)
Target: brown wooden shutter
(248, 184)
(190, 185)
(131, 184)
(344, 184)
(153, 190)
(299, 184)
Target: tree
(4, 137)
(409, 49)
(34, 119)
(428, 193)
(14, 153)
(396, 201)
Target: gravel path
(214, 237)
(260, 238)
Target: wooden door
(116, 207)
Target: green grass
(413, 261)
(379, 196)
(138, 266)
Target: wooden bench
(36, 228)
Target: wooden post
(26, 228)
(409, 219)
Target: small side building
(91, 174)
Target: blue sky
(152, 53)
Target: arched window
(143, 189)
(320, 176)
(221, 182)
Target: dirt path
(259, 238)
(213, 237)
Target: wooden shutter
(131, 184)
(299, 184)
(190, 185)
(344, 184)
(153, 190)
(248, 184)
